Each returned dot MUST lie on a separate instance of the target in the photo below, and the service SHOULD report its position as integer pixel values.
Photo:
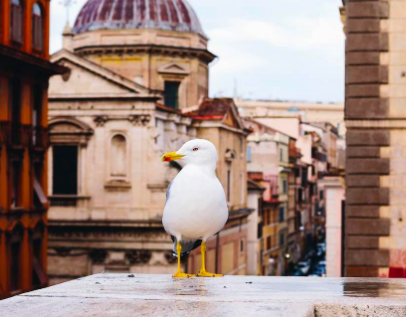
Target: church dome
(174, 15)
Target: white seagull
(196, 206)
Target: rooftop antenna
(67, 4)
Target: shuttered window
(16, 21)
(37, 28)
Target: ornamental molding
(138, 120)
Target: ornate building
(24, 73)
(137, 88)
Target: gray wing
(168, 191)
(187, 246)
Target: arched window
(16, 21)
(37, 28)
(118, 156)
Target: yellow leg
(203, 272)
(179, 273)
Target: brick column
(367, 110)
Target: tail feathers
(187, 246)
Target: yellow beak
(173, 156)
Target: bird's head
(197, 152)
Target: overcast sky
(268, 49)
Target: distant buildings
(288, 160)
(24, 73)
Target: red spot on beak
(167, 159)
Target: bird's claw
(207, 274)
(183, 275)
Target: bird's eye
(195, 149)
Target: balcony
(23, 135)
(161, 295)
(40, 137)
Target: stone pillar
(376, 138)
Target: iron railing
(23, 135)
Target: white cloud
(301, 34)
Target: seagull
(196, 206)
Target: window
(37, 27)
(268, 243)
(229, 183)
(285, 186)
(281, 214)
(16, 21)
(171, 94)
(16, 167)
(36, 114)
(15, 259)
(118, 156)
(281, 239)
(39, 277)
(40, 198)
(321, 194)
(242, 246)
(281, 154)
(249, 154)
(65, 170)
(15, 100)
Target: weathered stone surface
(372, 227)
(363, 108)
(367, 42)
(367, 258)
(367, 166)
(362, 91)
(372, 196)
(362, 58)
(363, 25)
(368, 9)
(362, 211)
(362, 181)
(361, 271)
(366, 74)
(160, 295)
(356, 242)
(367, 152)
(368, 137)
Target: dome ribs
(173, 12)
(183, 11)
(163, 11)
(141, 9)
(118, 9)
(152, 10)
(106, 10)
(129, 11)
(176, 15)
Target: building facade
(137, 88)
(375, 92)
(24, 73)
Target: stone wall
(375, 118)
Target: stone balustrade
(161, 295)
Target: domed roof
(176, 15)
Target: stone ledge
(160, 295)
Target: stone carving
(170, 257)
(139, 120)
(100, 120)
(98, 256)
(138, 256)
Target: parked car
(320, 251)
(322, 245)
(304, 266)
